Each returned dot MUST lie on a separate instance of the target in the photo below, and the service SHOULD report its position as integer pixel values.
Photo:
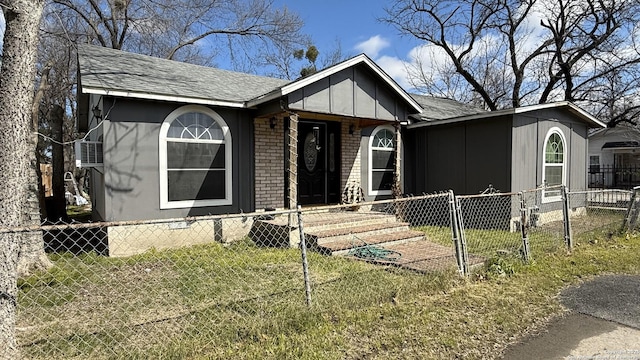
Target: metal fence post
(524, 226)
(455, 233)
(631, 217)
(462, 235)
(568, 239)
(305, 264)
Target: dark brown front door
(318, 163)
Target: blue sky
(355, 26)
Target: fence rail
(152, 288)
(612, 176)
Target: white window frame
(598, 164)
(162, 154)
(554, 130)
(370, 189)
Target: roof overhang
(162, 97)
(585, 116)
(360, 59)
(621, 145)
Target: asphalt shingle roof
(107, 70)
(435, 108)
(115, 70)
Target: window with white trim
(594, 163)
(195, 159)
(554, 163)
(382, 144)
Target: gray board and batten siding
(464, 157)
(504, 149)
(131, 165)
(529, 131)
(353, 92)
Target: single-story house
(174, 139)
(169, 140)
(614, 157)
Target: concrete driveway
(603, 322)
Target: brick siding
(269, 164)
(269, 161)
(351, 157)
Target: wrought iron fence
(165, 288)
(613, 177)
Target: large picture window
(195, 159)
(382, 145)
(555, 158)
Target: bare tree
(511, 53)
(187, 30)
(288, 62)
(192, 31)
(17, 76)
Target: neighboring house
(168, 140)
(614, 158)
(512, 150)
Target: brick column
(397, 170)
(351, 167)
(294, 234)
(293, 161)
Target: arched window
(195, 159)
(555, 156)
(382, 144)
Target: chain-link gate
(543, 209)
(490, 225)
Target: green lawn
(246, 302)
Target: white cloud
(396, 68)
(372, 46)
(428, 57)
(2, 25)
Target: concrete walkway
(603, 322)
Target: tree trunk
(35, 117)
(59, 208)
(17, 76)
(32, 257)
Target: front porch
(373, 236)
(320, 155)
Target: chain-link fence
(218, 284)
(544, 224)
(171, 284)
(395, 241)
(490, 226)
(596, 213)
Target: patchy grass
(245, 302)
(80, 213)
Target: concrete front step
(319, 238)
(331, 221)
(344, 246)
